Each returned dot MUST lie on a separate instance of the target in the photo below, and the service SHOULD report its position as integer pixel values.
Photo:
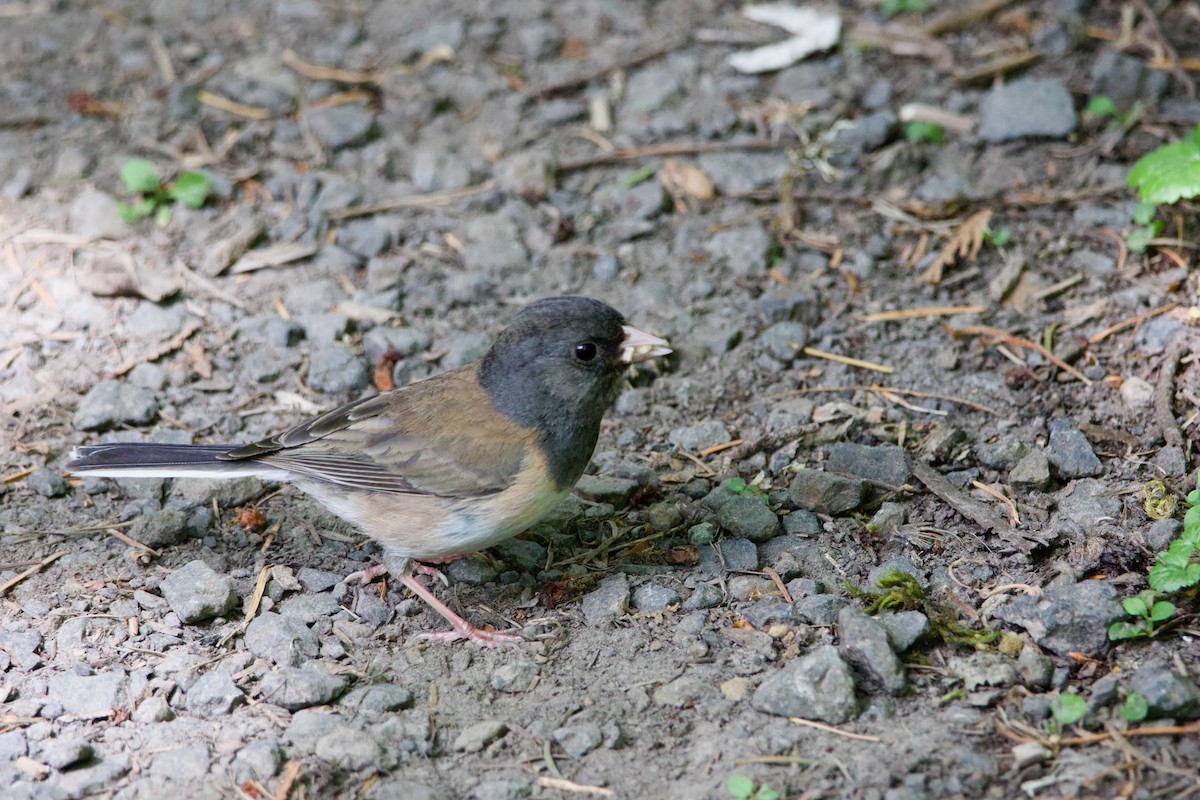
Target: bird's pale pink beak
(641, 346)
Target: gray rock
(888, 519)
(649, 89)
(1067, 619)
(864, 644)
(905, 628)
(823, 493)
(475, 737)
(364, 237)
(473, 571)
(13, 745)
(48, 483)
(802, 523)
(703, 596)
(748, 517)
(97, 777)
(1004, 453)
(1027, 107)
(515, 677)
(984, 671)
(1070, 452)
(865, 134)
(700, 436)
(259, 761)
(395, 787)
(22, 646)
(702, 533)
(89, 695)
(579, 740)
(1034, 669)
(321, 329)
(883, 463)
(267, 364)
(1125, 79)
(339, 126)
(606, 602)
(214, 694)
(333, 369)
(1033, 469)
(349, 748)
(686, 691)
(728, 555)
(405, 341)
(743, 249)
(819, 609)
(653, 597)
(1087, 501)
(111, 404)
(1092, 262)
(1161, 533)
(196, 592)
(381, 698)
(227, 493)
(818, 685)
(607, 489)
(154, 708)
(494, 246)
(1156, 335)
(783, 341)
(295, 688)
(465, 348)
(895, 564)
(63, 753)
(1167, 693)
(522, 554)
(161, 529)
(94, 214)
(316, 580)
(738, 173)
(281, 640)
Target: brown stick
(1163, 415)
(666, 149)
(600, 72)
(960, 501)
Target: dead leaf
(683, 180)
(964, 242)
(198, 358)
(274, 256)
(574, 49)
(118, 274)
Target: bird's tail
(149, 460)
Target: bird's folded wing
(434, 437)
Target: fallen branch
(982, 515)
(41, 565)
(1163, 390)
(666, 149)
(1016, 341)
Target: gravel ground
(391, 181)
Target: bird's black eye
(585, 351)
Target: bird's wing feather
(427, 438)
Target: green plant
(155, 199)
(1101, 106)
(641, 176)
(1068, 708)
(891, 8)
(1163, 176)
(924, 132)
(1147, 609)
(739, 487)
(999, 237)
(744, 788)
(1176, 569)
(1135, 708)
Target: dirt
(475, 117)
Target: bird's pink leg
(461, 628)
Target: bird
(446, 466)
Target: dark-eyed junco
(449, 465)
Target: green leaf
(1068, 708)
(139, 210)
(1135, 606)
(924, 132)
(740, 786)
(765, 793)
(1161, 610)
(191, 189)
(139, 175)
(1125, 630)
(1139, 238)
(736, 485)
(1144, 212)
(641, 176)
(1101, 106)
(1170, 173)
(1173, 569)
(1136, 708)
(162, 217)
(1191, 526)
(1193, 498)
(999, 237)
